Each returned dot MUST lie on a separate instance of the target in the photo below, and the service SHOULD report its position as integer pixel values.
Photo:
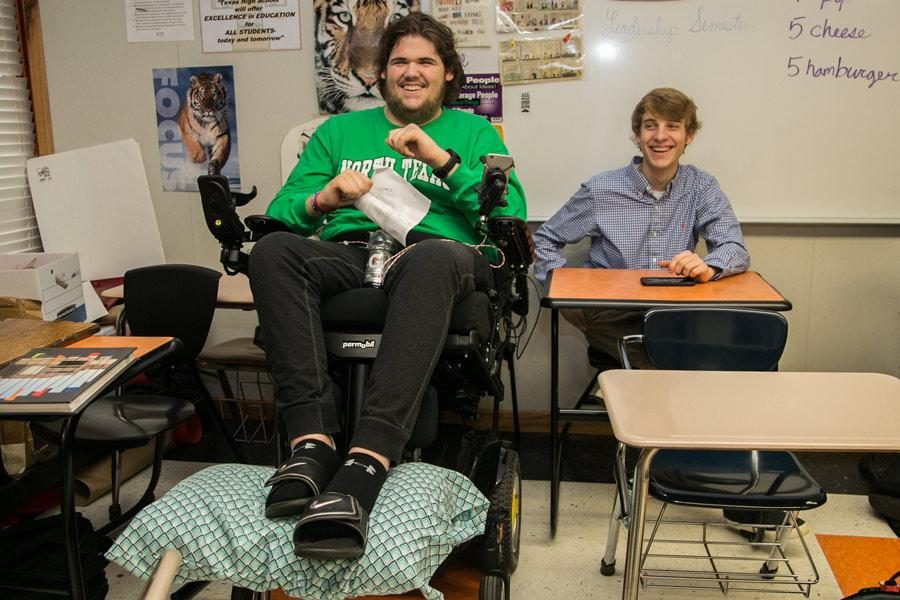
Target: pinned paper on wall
(229, 26)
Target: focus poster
(196, 126)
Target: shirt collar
(640, 182)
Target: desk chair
(164, 300)
(251, 413)
(720, 339)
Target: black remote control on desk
(667, 281)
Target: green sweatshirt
(357, 141)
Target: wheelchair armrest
(260, 225)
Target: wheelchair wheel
(505, 516)
(491, 588)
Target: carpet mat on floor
(860, 562)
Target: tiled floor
(568, 565)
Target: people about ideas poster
(347, 35)
(481, 95)
(196, 126)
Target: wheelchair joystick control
(381, 247)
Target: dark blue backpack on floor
(882, 473)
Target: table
(18, 336)
(148, 350)
(621, 288)
(655, 410)
(234, 292)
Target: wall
(786, 145)
(844, 281)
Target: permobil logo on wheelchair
(363, 345)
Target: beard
(427, 111)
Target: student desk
(654, 410)
(234, 292)
(148, 351)
(18, 336)
(621, 288)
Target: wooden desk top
(621, 288)
(141, 345)
(761, 410)
(18, 336)
(234, 292)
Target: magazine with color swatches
(59, 380)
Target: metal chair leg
(148, 496)
(608, 563)
(207, 403)
(115, 508)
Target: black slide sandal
(333, 527)
(297, 481)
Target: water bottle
(381, 247)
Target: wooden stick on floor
(160, 584)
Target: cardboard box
(54, 280)
(18, 449)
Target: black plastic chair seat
(725, 478)
(120, 422)
(364, 310)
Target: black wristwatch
(454, 160)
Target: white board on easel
(96, 201)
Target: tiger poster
(347, 34)
(196, 126)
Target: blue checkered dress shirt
(630, 229)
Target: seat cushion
(357, 310)
(364, 310)
(236, 352)
(215, 519)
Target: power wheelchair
(483, 334)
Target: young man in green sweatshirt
(438, 152)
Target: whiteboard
(788, 140)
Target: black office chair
(741, 482)
(165, 300)
(481, 337)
